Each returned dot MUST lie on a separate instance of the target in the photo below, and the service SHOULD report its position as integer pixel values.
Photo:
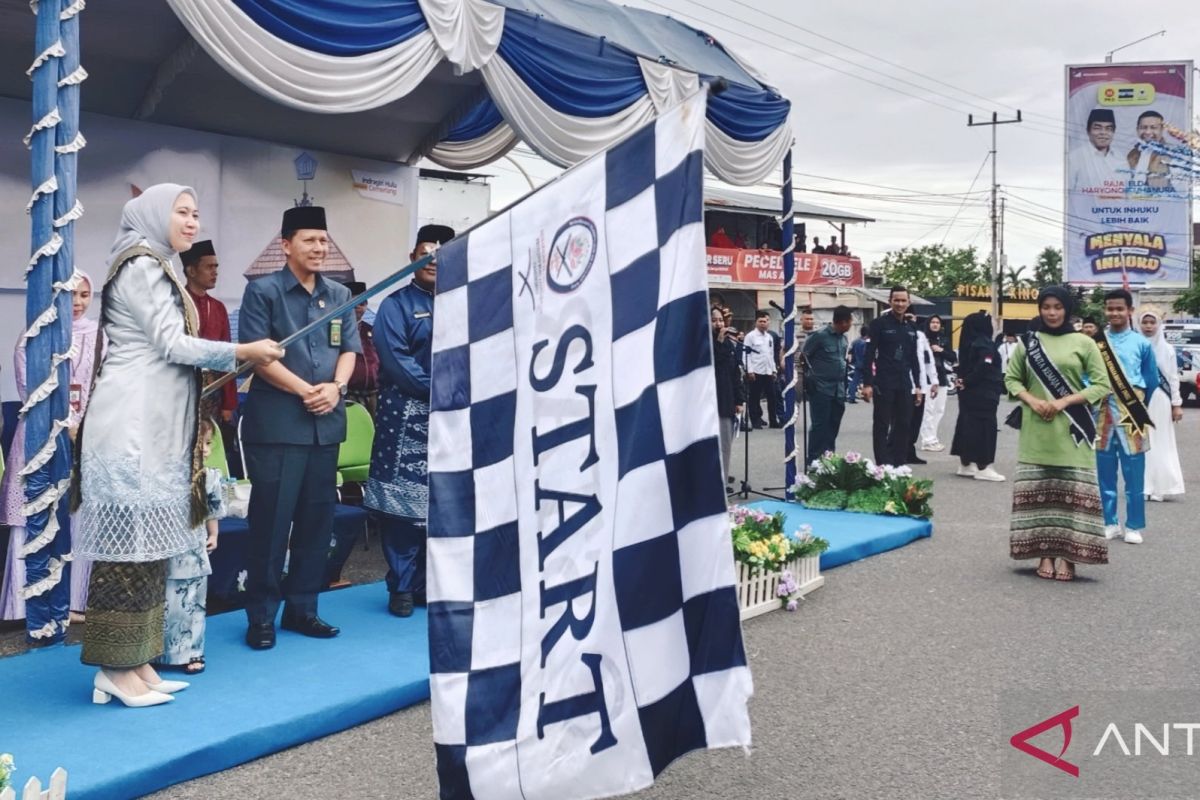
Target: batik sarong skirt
(124, 627)
(1057, 514)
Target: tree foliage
(934, 269)
(1048, 269)
(1189, 301)
(1090, 303)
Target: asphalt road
(892, 680)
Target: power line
(793, 54)
(858, 183)
(1058, 122)
(959, 109)
(978, 172)
(829, 54)
(915, 197)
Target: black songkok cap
(1101, 115)
(356, 287)
(197, 251)
(303, 218)
(438, 234)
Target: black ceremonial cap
(438, 234)
(304, 218)
(1101, 115)
(356, 287)
(197, 251)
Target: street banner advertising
(583, 620)
(764, 268)
(1129, 175)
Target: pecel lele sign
(765, 268)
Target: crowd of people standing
(145, 503)
(1091, 405)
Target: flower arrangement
(853, 482)
(805, 545)
(7, 768)
(760, 543)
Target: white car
(1188, 388)
(1184, 334)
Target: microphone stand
(746, 489)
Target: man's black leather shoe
(312, 626)
(261, 636)
(400, 604)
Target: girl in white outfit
(1163, 475)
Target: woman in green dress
(1056, 500)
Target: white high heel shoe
(168, 687)
(104, 690)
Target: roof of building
(719, 197)
(272, 259)
(881, 296)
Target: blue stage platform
(851, 536)
(246, 704)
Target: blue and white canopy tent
(460, 82)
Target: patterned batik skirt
(398, 481)
(1057, 514)
(124, 627)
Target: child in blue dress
(187, 580)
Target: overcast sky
(1011, 53)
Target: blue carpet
(245, 705)
(851, 536)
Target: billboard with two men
(1129, 174)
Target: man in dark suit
(891, 379)
(294, 421)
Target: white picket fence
(757, 589)
(33, 788)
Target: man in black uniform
(294, 421)
(890, 375)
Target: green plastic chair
(218, 459)
(354, 455)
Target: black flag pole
(383, 285)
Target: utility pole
(994, 266)
(1003, 262)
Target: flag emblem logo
(572, 254)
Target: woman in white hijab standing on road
(1163, 475)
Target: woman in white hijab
(138, 454)
(12, 493)
(1163, 475)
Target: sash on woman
(1082, 423)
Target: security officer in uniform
(891, 379)
(294, 420)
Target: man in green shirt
(825, 382)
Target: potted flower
(7, 768)
(775, 569)
(852, 482)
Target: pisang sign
(984, 292)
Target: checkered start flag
(583, 620)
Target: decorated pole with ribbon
(790, 394)
(45, 476)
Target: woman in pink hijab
(12, 496)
